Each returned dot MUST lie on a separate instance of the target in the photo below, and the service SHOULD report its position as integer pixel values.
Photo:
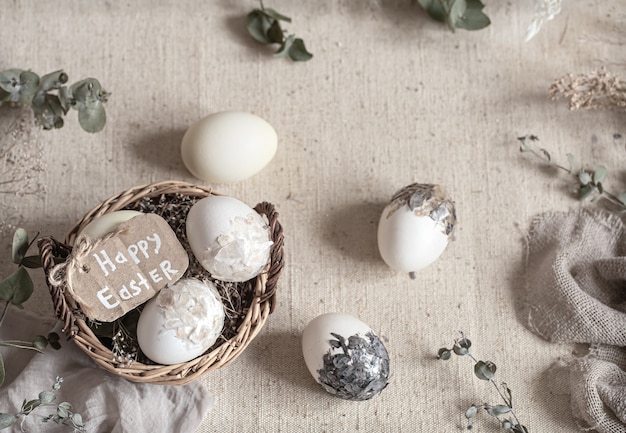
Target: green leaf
(53, 80)
(7, 420)
(497, 410)
(473, 18)
(258, 24)
(484, 370)
(276, 15)
(519, 429)
(471, 412)
(29, 406)
(461, 347)
(17, 288)
(40, 342)
(46, 397)
(584, 177)
(444, 354)
(32, 262)
(435, 9)
(20, 245)
(298, 52)
(275, 33)
(92, 119)
(456, 12)
(283, 51)
(622, 197)
(585, 191)
(77, 419)
(600, 174)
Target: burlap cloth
(576, 292)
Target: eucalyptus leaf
(258, 25)
(53, 80)
(2, 371)
(498, 410)
(7, 420)
(584, 177)
(444, 354)
(40, 342)
(298, 52)
(62, 411)
(32, 262)
(435, 9)
(519, 429)
(622, 197)
(600, 174)
(484, 370)
(9, 79)
(276, 15)
(92, 119)
(456, 11)
(77, 419)
(20, 245)
(283, 51)
(275, 33)
(585, 191)
(473, 20)
(46, 397)
(17, 288)
(29, 406)
(471, 412)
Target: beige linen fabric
(391, 97)
(575, 290)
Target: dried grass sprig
(598, 89)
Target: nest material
(257, 303)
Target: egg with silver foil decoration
(415, 227)
(344, 355)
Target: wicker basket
(262, 290)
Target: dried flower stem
(598, 89)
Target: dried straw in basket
(255, 310)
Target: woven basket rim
(261, 306)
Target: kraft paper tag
(110, 276)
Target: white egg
(229, 238)
(415, 227)
(228, 146)
(345, 356)
(180, 323)
(106, 223)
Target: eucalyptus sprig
(62, 412)
(457, 14)
(50, 99)
(16, 289)
(485, 370)
(264, 25)
(589, 183)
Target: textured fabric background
(391, 97)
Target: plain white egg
(345, 356)
(229, 238)
(228, 146)
(181, 323)
(415, 227)
(108, 222)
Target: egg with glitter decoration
(228, 146)
(415, 227)
(345, 356)
(181, 322)
(229, 238)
